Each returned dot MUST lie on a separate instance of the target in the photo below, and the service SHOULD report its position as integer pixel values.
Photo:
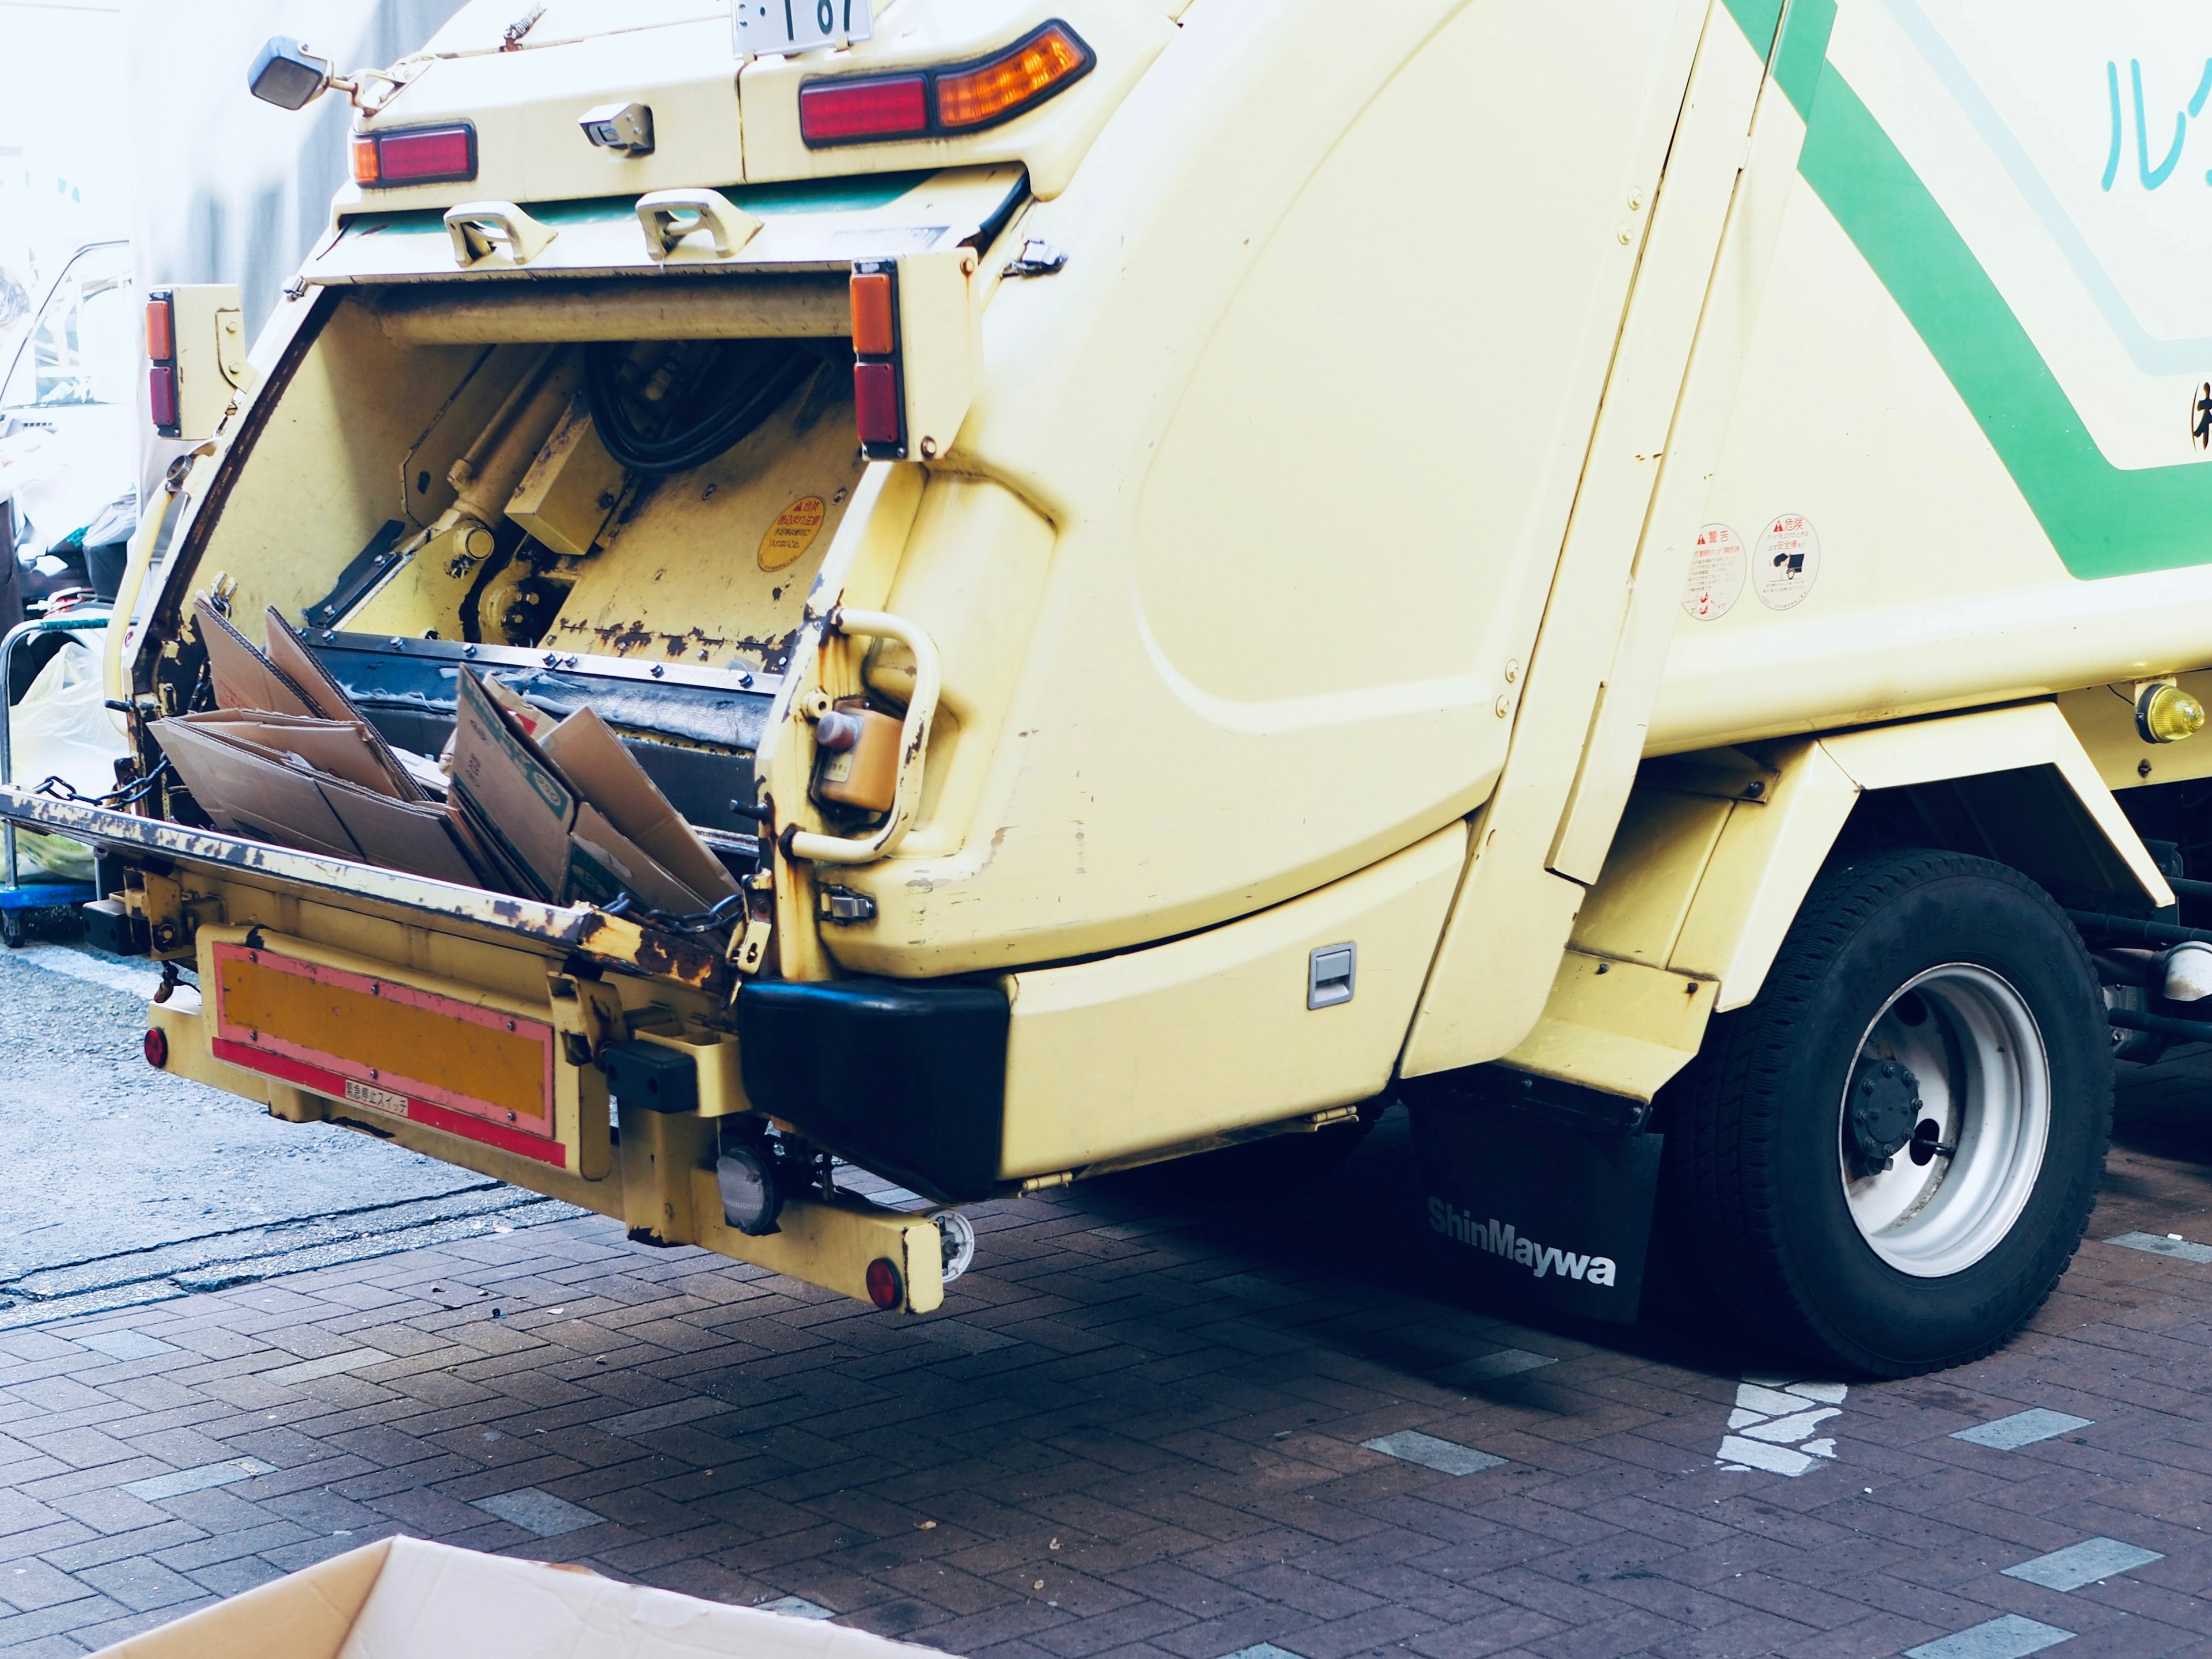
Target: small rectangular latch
(1330, 973)
(841, 907)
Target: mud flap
(1543, 1200)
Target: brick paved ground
(1132, 1433)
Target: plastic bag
(61, 730)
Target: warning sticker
(1717, 568)
(1788, 562)
(793, 533)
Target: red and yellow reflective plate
(433, 1059)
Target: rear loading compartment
(429, 511)
(606, 483)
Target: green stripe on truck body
(2103, 520)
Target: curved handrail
(913, 744)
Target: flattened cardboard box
(405, 1599)
(312, 784)
(586, 835)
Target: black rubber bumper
(907, 1080)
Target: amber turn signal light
(955, 97)
(1005, 85)
(875, 330)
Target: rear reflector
(842, 112)
(875, 391)
(156, 1046)
(1005, 85)
(884, 1287)
(415, 156)
(161, 399)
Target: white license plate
(761, 27)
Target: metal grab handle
(914, 745)
(669, 216)
(478, 227)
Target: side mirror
(286, 74)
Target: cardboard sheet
(593, 759)
(516, 798)
(338, 747)
(265, 776)
(604, 862)
(574, 832)
(405, 1599)
(247, 792)
(289, 656)
(243, 676)
(558, 812)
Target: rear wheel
(1885, 1162)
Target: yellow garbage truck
(995, 590)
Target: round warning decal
(793, 533)
(1787, 563)
(1715, 579)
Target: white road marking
(1772, 1421)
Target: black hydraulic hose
(757, 375)
(2189, 1030)
(2125, 930)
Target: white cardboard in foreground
(404, 1599)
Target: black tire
(1761, 1146)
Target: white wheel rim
(1984, 1079)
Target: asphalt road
(126, 1185)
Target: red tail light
(845, 111)
(161, 398)
(954, 98)
(875, 389)
(156, 1046)
(878, 398)
(415, 156)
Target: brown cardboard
(570, 831)
(593, 758)
(244, 678)
(625, 865)
(261, 775)
(406, 1599)
(303, 1615)
(289, 656)
(338, 747)
(516, 795)
(247, 792)
(417, 836)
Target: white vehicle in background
(69, 444)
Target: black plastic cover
(647, 1077)
(908, 1080)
